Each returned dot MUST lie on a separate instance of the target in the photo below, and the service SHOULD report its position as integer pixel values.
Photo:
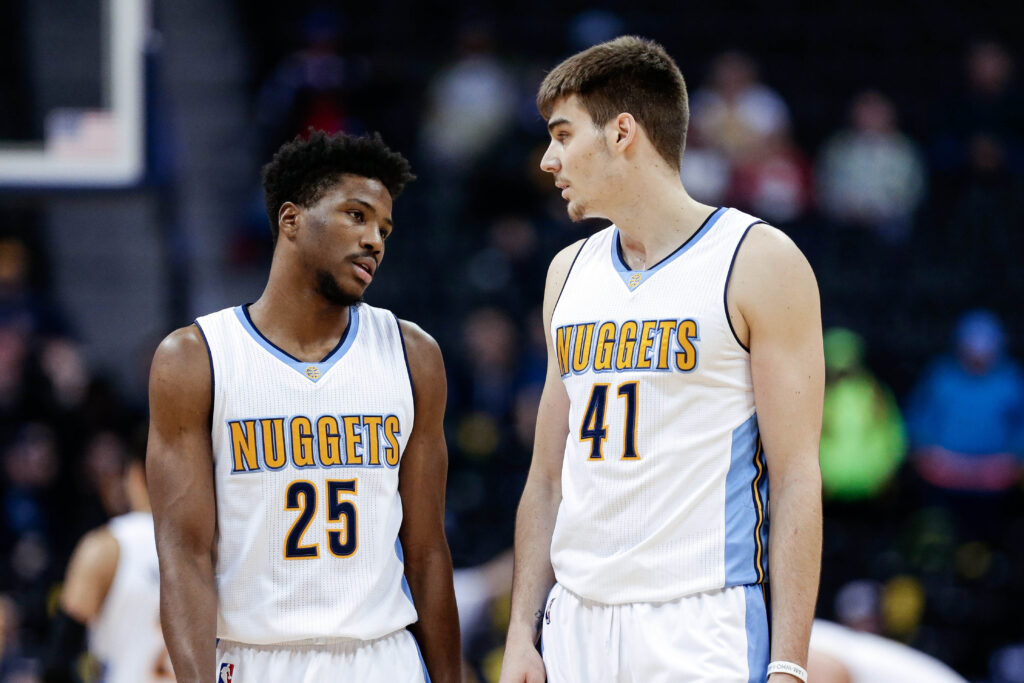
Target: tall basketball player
(111, 594)
(684, 385)
(296, 454)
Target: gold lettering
(605, 346)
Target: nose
(550, 162)
(371, 239)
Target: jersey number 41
(595, 429)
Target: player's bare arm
(421, 485)
(179, 468)
(538, 507)
(90, 574)
(774, 305)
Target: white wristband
(788, 668)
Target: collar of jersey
(314, 372)
(634, 278)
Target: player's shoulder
(96, 551)
(422, 350)
(767, 253)
(561, 264)
(182, 351)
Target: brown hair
(628, 74)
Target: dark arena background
(887, 139)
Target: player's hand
(521, 664)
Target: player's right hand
(522, 664)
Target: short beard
(577, 212)
(327, 287)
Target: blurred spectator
(862, 437)
(735, 112)
(774, 184)
(871, 175)
(966, 415)
(705, 169)
(470, 104)
(990, 106)
(313, 86)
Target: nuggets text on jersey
(270, 443)
(611, 346)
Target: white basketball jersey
(306, 459)
(664, 486)
(125, 637)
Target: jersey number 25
(302, 495)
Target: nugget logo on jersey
(653, 345)
(270, 443)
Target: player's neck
(654, 218)
(297, 319)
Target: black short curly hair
(305, 168)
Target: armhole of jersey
(213, 380)
(568, 273)
(728, 278)
(405, 354)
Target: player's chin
(577, 211)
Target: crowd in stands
(915, 231)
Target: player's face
(578, 157)
(343, 242)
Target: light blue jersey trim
(405, 584)
(311, 371)
(758, 636)
(423, 664)
(634, 278)
(746, 498)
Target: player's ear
(288, 220)
(624, 130)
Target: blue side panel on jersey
(740, 509)
(638, 277)
(301, 367)
(426, 674)
(405, 584)
(757, 634)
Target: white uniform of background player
(306, 460)
(125, 636)
(664, 486)
(112, 587)
(842, 655)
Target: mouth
(365, 267)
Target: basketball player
(685, 374)
(842, 655)
(316, 537)
(112, 589)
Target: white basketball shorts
(394, 658)
(715, 637)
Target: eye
(384, 234)
(357, 215)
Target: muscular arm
(421, 484)
(538, 507)
(179, 467)
(775, 293)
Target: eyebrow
(554, 123)
(387, 221)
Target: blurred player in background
(843, 655)
(317, 535)
(112, 593)
(680, 339)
